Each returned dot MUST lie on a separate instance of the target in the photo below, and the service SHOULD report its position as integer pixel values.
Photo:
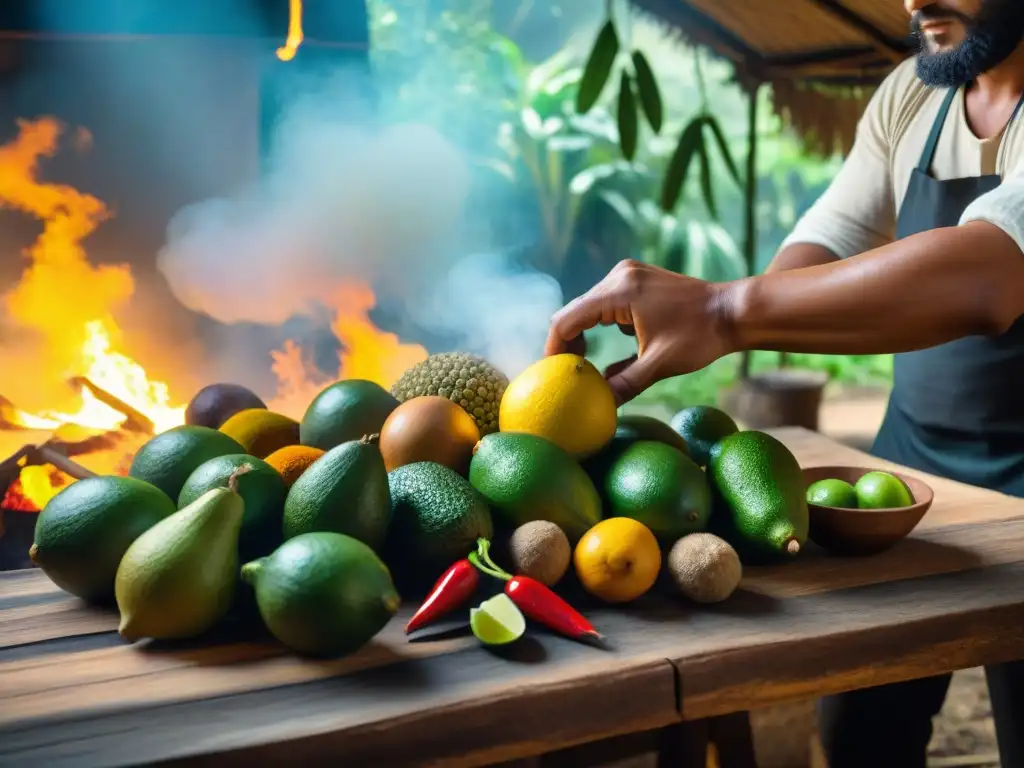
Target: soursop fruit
(465, 379)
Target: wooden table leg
(684, 745)
(734, 739)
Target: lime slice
(497, 621)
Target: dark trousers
(890, 726)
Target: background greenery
(499, 77)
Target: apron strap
(1017, 110)
(925, 164)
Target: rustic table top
(951, 596)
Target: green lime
(497, 621)
(832, 493)
(880, 490)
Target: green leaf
(627, 118)
(723, 147)
(598, 67)
(706, 187)
(647, 88)
(679, 165)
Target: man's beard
(991, 37)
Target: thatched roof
(822, 57)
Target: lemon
(618, 560)
(497, 621)
(564, 399)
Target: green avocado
(262, 490)
(760, 500)
(701, 426)
(347, 410)
(323, 594)
(168, 459)
(344, 491)
(525, 477)
(659, 486)
(83, 532)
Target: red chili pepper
(539, 603)
(536, 600)
(455, 586)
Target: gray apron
(957, 409)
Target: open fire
(69, 306)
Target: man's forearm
(915, 293)
(800, 255)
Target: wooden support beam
(896, 48)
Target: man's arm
(800, 255)
(915, 293)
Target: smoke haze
(341, 203)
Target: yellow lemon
(617, 560)
(563, 398)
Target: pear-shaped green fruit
(323, 594)
(178, 578)
(344, 491)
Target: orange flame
(369, 353)
(68, 302)
(295, 35)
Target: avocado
(660, 487)
(347, 410)
(83, 532)
(323, 594)
(262, 489)
(526, 477)
(344, 491)
(631, 428)
(760, 502)
(216, 403)
(437, 518)
(701, 426)
(168, 459)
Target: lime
(832, 493)
(881, 490)
(497, 621)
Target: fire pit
(44, 465)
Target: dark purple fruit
(216, 403)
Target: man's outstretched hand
(681, 324)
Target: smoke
(343, 202)
(494, 308)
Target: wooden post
(750, 204)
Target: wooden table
(949, 597)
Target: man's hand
(681, 324)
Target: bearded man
(917, 249)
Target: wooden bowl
(863, 531)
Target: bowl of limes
(863, 510)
